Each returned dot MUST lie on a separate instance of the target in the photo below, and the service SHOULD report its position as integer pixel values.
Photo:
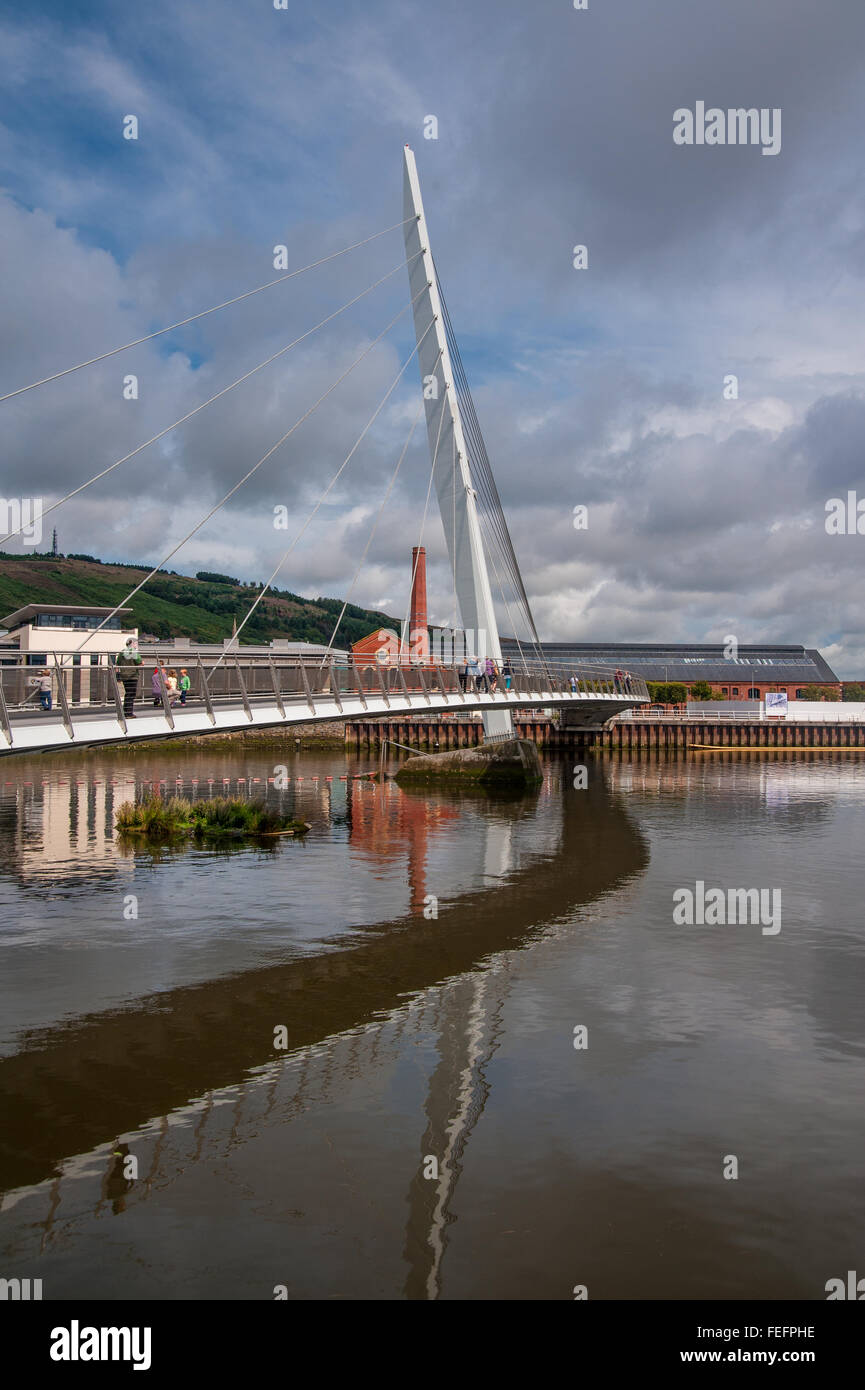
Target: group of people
(621, 683)
(175, 687)
(483, 674)
(476, 675)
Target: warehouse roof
(666, 661)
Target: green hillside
(174, 605)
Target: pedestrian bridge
(240, 689)
(239, 693)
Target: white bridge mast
(456, 496)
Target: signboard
(776, 703)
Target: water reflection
(60, 830)
(66, 1090)
(309, 1166)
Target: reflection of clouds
(815, 779)
(798, 790)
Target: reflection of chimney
(418, 618)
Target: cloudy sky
(601, 387)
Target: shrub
(159, 819)
(669, 693)
(818, 692)
(154, 816)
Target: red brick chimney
(417, 626)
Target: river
(446, 1046)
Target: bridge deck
(326, 694)
(33, 733)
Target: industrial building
(749, 675)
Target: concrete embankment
(324, 735)
(514, 761)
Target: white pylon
(456, 496)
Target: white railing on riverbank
(798, 712)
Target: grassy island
(162, 818)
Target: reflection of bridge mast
(201, 1042)
(458, 1090)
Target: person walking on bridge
(185, 684)
(127, 673)
(45, 688)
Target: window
(753, 693)
(76, 620)
(800, 694)
(725, 690)
(735, 690)
(53, 620)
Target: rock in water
(514, 761)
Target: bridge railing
(241, 678)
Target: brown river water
(347, 1067)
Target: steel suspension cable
(499, 539)
(224, 392)
(494, 544)
(382, 403)
(249, 474)
(508, 611)
(482, 473)
(497, 532)
(148, 337)
(371, 535)
(472, 425)
(485, 483)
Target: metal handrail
(273, 678)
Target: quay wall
(430, 735)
